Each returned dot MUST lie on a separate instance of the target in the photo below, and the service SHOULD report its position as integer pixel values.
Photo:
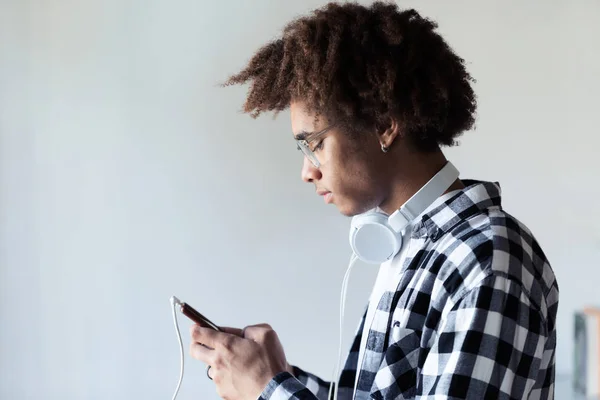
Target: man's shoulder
(494, 244)
(500, 244)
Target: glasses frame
(304, 145)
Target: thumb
(256, 332)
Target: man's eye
(318, 146)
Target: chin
(348, 213)
(350, 210)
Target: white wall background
(127, 176)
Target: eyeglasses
(303, 145)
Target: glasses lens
(303, 146)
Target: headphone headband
(419, 202)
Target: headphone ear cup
(372, 239)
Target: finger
(225, 329)
(201, 353)
(232, 331)
(194, 334)
(212, 338)
(203, 335)
(216, 375)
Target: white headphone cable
(174, 302)
(334, 382)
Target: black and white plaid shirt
(472, 317)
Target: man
(467, 308)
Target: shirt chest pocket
(397, 376)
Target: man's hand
(242, 361)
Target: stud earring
(384, 148)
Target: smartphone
(194, 315)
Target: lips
(327, 196)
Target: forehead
(303, 121)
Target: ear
(388, 132)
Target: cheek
(355, 185)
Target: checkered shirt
(472, 317)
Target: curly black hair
(363, 66)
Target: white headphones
(376, 238)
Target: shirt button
(396, 331)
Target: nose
(309, 172)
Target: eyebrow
(302, 135)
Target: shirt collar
(442, 216)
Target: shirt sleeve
(302, 385)
(492, 344)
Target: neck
(408, 178)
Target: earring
(384, 148)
